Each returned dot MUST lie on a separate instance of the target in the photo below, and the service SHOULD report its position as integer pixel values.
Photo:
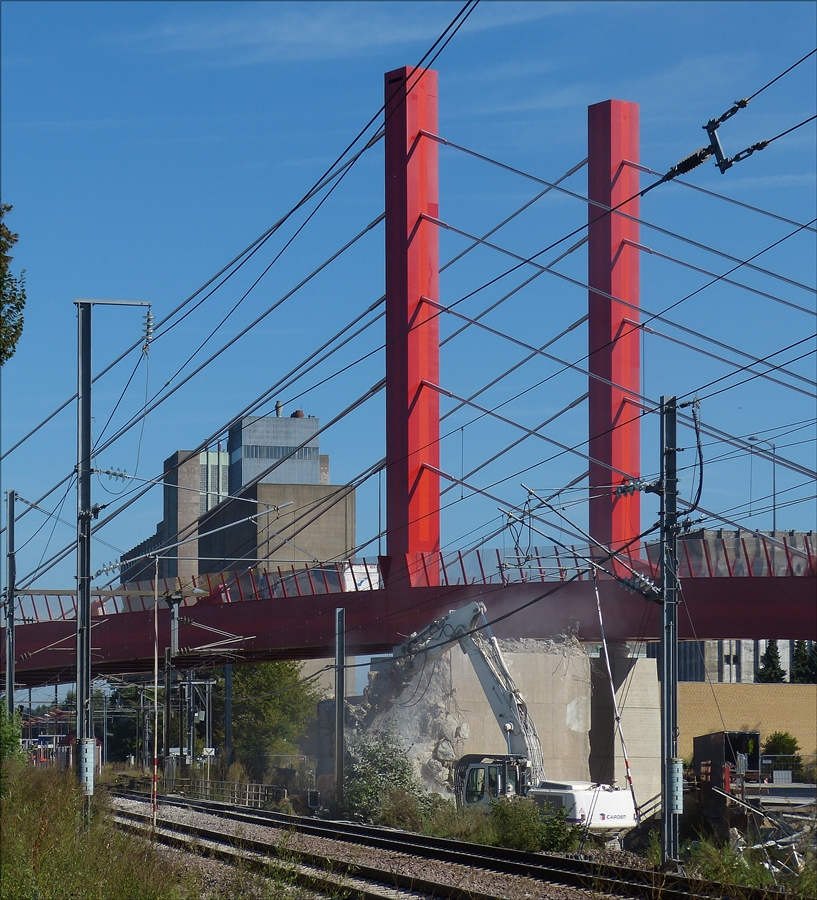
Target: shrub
(558, 836)
(400, 809)
(470, 823)
(517, 823)
(784, 745)
(376, 766)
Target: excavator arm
(503, 696)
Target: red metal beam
(412, 329)
(614, 350)
(718, 608)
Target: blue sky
(144, 145)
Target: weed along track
(342, 858)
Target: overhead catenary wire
(702, 190)
(271, 390)
(618, 209)
(784, 72)
(330, 173)
(516, 267)
(635, 325)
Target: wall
(638, 700)
(314, 527)
(555, 682)
(705, 708)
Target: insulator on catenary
(690, 162)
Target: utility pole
(671, 766)
(166, 719)
(85, 513)
(228, 714)
(11, 578)
(340, 702)
(85, 741)
(191, 741)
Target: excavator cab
(480, 779)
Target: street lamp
(758, 440)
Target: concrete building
(289, 446)
(318, 525)
(193, 484)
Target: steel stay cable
(275, 387)
(635, 395)
(550, 440)
(695, 187)
(601, 293)
(572, 405)
(645, 249)
(534, 352)
(765, 375)
(493, 280)
(527, 205)
(754, 375)
(366, 542)
(574, 169)
(328, 176)
(617, 209)
(541, 269)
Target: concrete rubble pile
(420, 706)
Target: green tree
(784, 746)
(12, 292)
(272, 706)
(802, 670)
(770, 671)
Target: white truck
(481, 778)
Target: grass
(50, 853)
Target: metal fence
(234, 793)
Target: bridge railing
(721, 554)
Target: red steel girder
(614, 350)
(412, 326)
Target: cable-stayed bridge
(755, 587)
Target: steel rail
(548, 868)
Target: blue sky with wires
(144, 146)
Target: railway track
(385, 863)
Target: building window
(263, 451)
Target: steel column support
(11, 579)
(671, 798)
(84, 514)
(613, 345)
(340, 706)
(412, 329)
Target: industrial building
(269, 461)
